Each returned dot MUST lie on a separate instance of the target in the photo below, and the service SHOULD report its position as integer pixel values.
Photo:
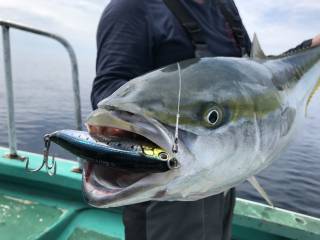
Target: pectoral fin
(314, 90)
(254, 182)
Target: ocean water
(44, 103)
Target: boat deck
(37, 206)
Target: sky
(280, 24)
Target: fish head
(216, 120)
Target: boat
(38, 206)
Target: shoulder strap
(195, 32)
(236, 27)
(189, 24)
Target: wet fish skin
(261, 102)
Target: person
(137, 36)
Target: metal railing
(6, 25)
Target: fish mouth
(118, 124)
(107, 186)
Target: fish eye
(214, 116)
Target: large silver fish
(236, 116)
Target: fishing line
(176, 134)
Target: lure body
(114, 152)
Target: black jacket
(137, 36)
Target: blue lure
(114, 152)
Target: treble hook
(52, 167)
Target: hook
(53, 166)
(45, 161)
(33, 170)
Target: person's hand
(316, 41)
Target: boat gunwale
(247, 214)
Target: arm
(314, 42)
(123, 50)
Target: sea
(43, 97)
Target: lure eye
(214, 116)
(163, 156)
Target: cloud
(280, 25)
(64, 17)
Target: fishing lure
(123, 153)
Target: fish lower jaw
(105, 186)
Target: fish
(224, 119)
